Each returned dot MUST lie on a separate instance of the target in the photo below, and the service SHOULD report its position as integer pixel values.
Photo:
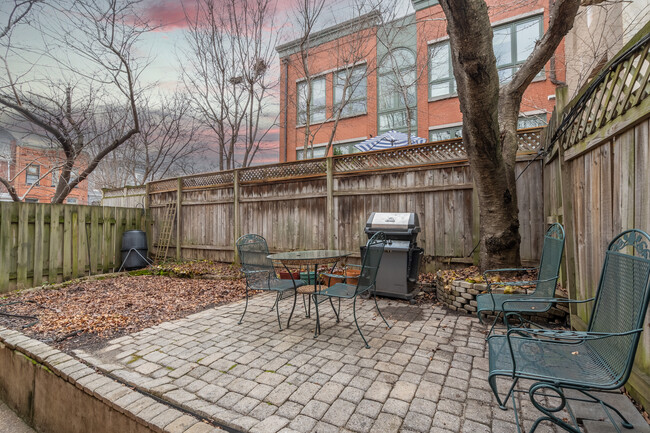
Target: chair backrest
(371, 260)
(549, 264)
(253, 252)
(622, 300)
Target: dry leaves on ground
(88, 312)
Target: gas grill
(400, 264)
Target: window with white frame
(441, 73)
(71, 200)
(311, 152)
(32, 174)
(317, 110)
(531, 121)
(446, 133)
(350, 87)
(513, 43)
(397, 91)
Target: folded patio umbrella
(388, 140)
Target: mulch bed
(90, 312)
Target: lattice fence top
(620, 87)
(163, 185)
(423, 154)
(404, 156)
(308, 168)
(124, 192)
(209, 179)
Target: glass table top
(314, 256)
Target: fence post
(566, 189)
(179, 203)
(330, 203)
(236, 217)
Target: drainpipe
(283, 148)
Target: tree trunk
(474, 64)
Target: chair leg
(245, 308)
(354, 313)
(624, 422)
(295, 298)
(277, 310)
(304, 305)
(317, 329)
(336, 312)
(493, 384)
(496, 319)
(379, 311)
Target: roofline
(363, 22)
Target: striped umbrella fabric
(388, 140)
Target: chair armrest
(515, 298)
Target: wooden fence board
(51, 242)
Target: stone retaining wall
(56, 393)
(461, 296)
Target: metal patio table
(310, 257)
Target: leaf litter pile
(89, 312)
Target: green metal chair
(549, 269)
(598, 359)
(371, 260)
(260, 273)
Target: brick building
(31, 157)
(420, 58)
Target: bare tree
(167, 144)
(84, 66)
(228, 73)
(490, 115)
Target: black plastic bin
(134, 241)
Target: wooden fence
(54, 242)
(597, 178)
(321, 203)
(128, 196)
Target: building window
(513, 43)
(71, 200)
(441, 73)
(397, 91)
(312, 152)
(55, 177)
(446, 133)
(531, 121)
(31, 200)
(317, 107)
(33, 174)
(346, 148)
(355, 91)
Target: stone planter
(460, 295)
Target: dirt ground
(89, 312)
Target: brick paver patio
(426, 374)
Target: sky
(166, 45)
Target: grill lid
(393, 223)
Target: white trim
(447, 125)
(437, 41)
(331, 70)
(532, 112)
(348, 140)
(520, 17)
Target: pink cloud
(168, 14)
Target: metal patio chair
(549, 269)
(260, 273)
(371, 260)
(598, 359)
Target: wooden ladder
(165, 233)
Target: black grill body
(400, 264)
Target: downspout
(283, 148)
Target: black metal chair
(260, 273)
(598, 359)
(549, 270)
(371, 260)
